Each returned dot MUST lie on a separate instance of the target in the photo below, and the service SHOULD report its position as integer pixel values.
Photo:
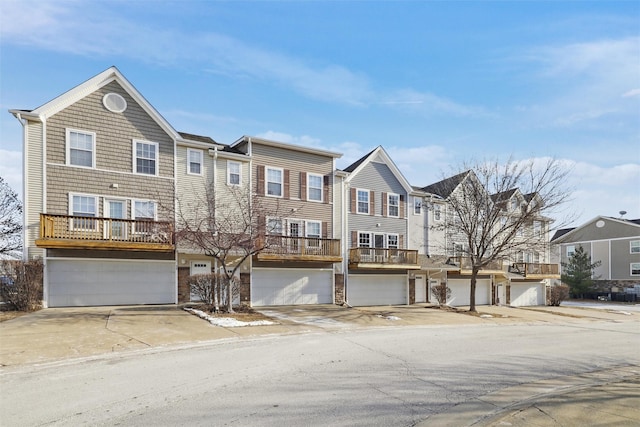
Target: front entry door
(116, 209)
(198, 267)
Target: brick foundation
(184, 293)
(245, 288)
(412, 291)
(339, 294)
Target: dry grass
(8, 315)
(243, 314)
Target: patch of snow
(626, 313)
(486, 316)
(227, 322)
(388, 317)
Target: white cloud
(632, 92)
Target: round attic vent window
(600, 224)
(114, 102)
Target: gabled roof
(564, 235)
(84, 89)
(359, 164)
(198, 138)
(353, 166)
(445, 187)
(504, 195)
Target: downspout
(45, 275)
(345, 187)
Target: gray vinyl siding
(115, 133)
(610, 230)
(296, 162)
(377, 177)
(621, 259)
(34, 187)
(600, 252)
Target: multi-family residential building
(375, 228)
(295, 189)
(108, 182)
(98, 195)
(519, 279)
(614, 242)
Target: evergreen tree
(578, 272)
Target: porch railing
(535, 269)
(85, 228)
(287, 246)
(383, 256)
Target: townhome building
(98, 195)
(377, 261)
(614, 242)
(518, 279)
(295, 188)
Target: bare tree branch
(10, 220)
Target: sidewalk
(601, 398)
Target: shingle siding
(34, 187)
(115, 133)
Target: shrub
(557, 294)
(21, 286)
(211, 289)
(441, 293)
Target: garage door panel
(291, 287)
(110, 282)
(461, 290)
(527, 294)
(379, 289)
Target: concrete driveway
(61, 333)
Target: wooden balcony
(531, 270)
(382, 258)
(80, 232)
(464, 263)
(286, 248)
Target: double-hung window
(393, 205)
(571, 250)
(364, 240)
(145, 212)
(363, 201)
(635, 268)
(417, 205)
(274, 226)
(313, 231)
(537, 228)
(274, 182)
(392, 241)
(437, 212)
(634, 247)
(233, 173)
(86, 208)
(194, 161)
(314, 187)
(145, 157)
(81, 148)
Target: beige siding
(115, 133)
(34, 187)
(296, 162)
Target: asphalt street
(384, 376)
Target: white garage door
(377, 289)
(461, 288)
(288, 286)
(77, 283)
(527, 294)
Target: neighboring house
(295, 189)
(518, 280)
(615, 242)
(98, 195)
(375, 231)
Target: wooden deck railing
(383, 256)
(465, 264)
(302, 246)
(535, 269)
(84, 228)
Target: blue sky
(434, 82)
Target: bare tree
(230, 226)
(480, 212)
(10, 220)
